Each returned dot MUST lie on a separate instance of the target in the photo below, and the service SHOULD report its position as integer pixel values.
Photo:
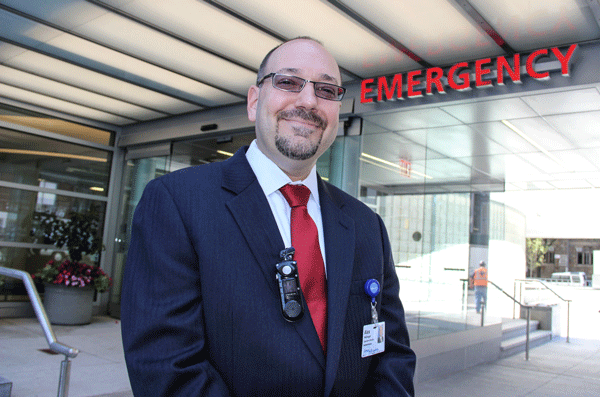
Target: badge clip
(374, 333)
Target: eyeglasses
(285, 82)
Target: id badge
(373, 341)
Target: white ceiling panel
(354, 47)
(147, 44)
(587, 175)
(68, 73)
(392, 147)
(381, 155)
(575, 162)
(544, 163)
(592, 155)
(445, 170)
(515, 186)
(141, 41)
(204, 24)
(414, 119)
(492, 166)
(93, 55)
(104, 57)
(68, 93)
(461, 141)
(502, 135)
(572, 184)
(564, 102)
(532, 24)
(481, 111)
(374, 173)
(419, 137)
(543, 134)
(583, 129)
(66, 13)
(437, 31)
(17, 28)
(372, 128)
(540, 186)
(9, 51)
(520, 170)
(61, 106)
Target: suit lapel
(252, 213)
(339, 236)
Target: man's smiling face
(295, 126)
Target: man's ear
(252, 102)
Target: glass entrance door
(138, 172)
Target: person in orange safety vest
(479, 279)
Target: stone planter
(68, 305)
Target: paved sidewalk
(98, 370)
(557, 369)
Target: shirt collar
(271, 177)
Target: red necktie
(311, 269)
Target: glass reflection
(47, 163)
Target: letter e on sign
(480, 72)
(364, 91)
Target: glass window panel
(208, 150)
(47, 123)
(48, 163)
(12, 289)
(21, 212)
(20, 223)
(428, 222)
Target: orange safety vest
(480, 277)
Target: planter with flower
(70, 285)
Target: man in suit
(201, 309)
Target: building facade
(437, 144)
(569, 255)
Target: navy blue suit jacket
(200, 307)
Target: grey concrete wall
(446, 354)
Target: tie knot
(296, 195)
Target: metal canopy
(124, 62)
(121, 62)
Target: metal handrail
(528, 308)
(551, 290)
(53, 343)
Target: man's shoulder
(197, 174)
(211, 174)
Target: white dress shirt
(271, 178)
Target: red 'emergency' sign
(458, 77)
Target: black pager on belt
(289, 286)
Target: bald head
(262, 70)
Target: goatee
(304, 150)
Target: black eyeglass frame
(315, 83)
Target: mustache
(303, 114)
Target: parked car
(570, 278)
